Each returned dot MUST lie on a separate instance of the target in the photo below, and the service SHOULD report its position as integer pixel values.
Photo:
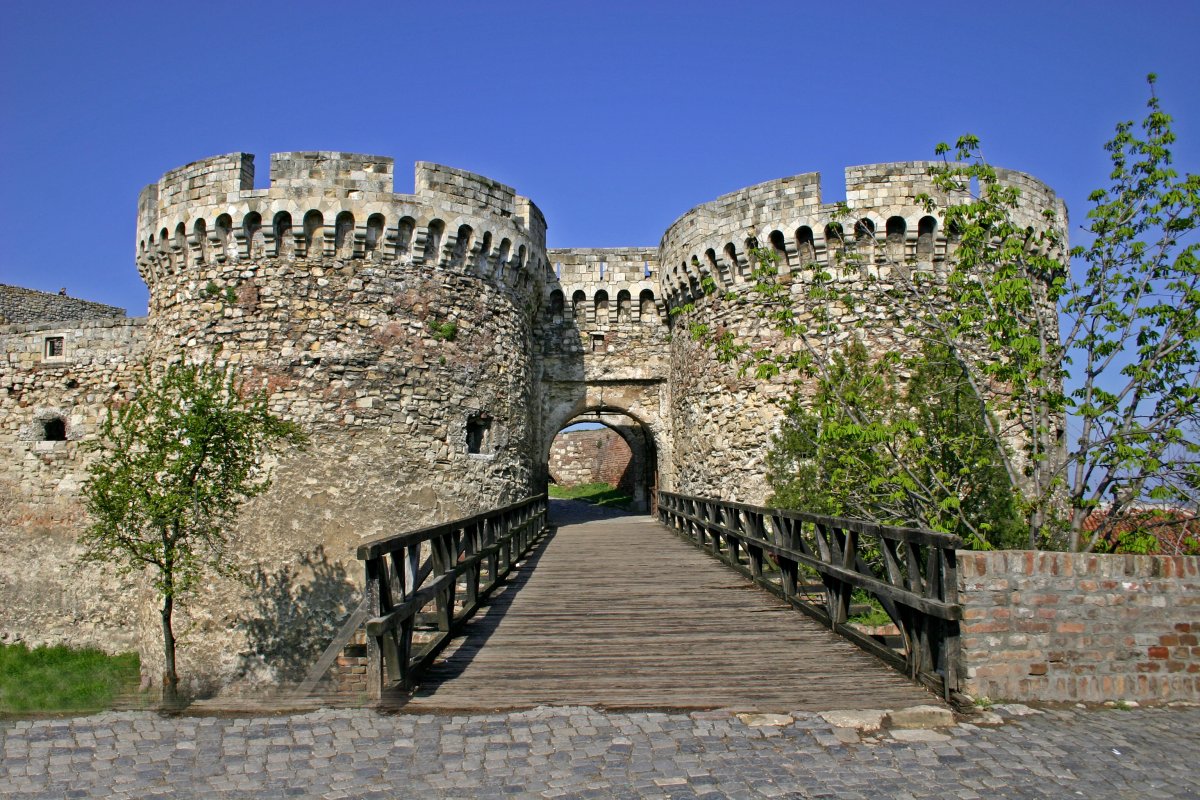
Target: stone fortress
(432, 347)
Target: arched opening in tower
(606, 448)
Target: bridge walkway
(616, 611)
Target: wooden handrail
(449, 567)
(911, 572)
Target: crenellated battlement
(598, 286)
(887, 225)
(332, 205)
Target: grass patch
(61, 679)
(598, 494)
(866, 610)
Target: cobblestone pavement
(583, 753)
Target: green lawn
(599, 494)
(60, 679)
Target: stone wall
(604, 339)
(1080, 627)
(20, 306)
(590, 456)
(46, 596)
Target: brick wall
(590, 456)
(1080, 627)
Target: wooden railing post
(375, 677)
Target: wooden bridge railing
(423, 585)
(816, 563)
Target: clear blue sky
(614, 117)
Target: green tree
(870, 446)
(1016, 325)
(174, 465)
(1129, 348)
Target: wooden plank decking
(619, 612)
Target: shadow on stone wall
(293, 615)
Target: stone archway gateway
(637, 468)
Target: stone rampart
(1080, 627)
(19, 306)
(335, 205)
(49, 406)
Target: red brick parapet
(1080, 627)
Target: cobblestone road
(582, 753)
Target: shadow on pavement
(574, 512)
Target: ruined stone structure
(432, 347)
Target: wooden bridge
(620, 611)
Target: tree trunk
(170, 679)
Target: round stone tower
(396, 328)
(722, 420)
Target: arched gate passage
(640, 475)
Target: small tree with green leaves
(870, 446)
(174, 464)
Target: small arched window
(896, 230)
(314, 234)
(864, 231)
(623, 306)
(375, 225)
(601, 303)
(462, 246)
(199, 238)
(579, 305)
(806, 249)
(735, 269)
(224, 236)
(252, 228)
(404, 237)
(779, 246)
(926, 229)
(715, 268)
(343, 239)
(282, 226)
(834, 240)
(180, 244)
(647, 309)
(433, 242)
(502, 258)
(483, 258)
(556, 305)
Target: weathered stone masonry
(432, 347)
(19, 306)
